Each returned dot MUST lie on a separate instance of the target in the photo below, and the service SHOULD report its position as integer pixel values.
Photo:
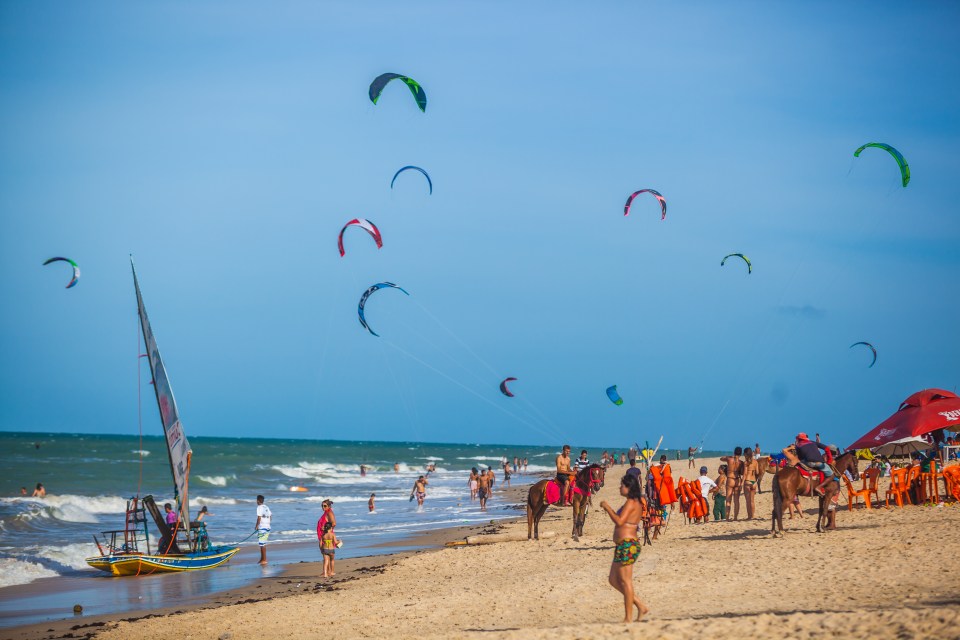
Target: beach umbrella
(921, 413)
(903, 447)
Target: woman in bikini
(734, 482)
(626, 519)
(751, 470)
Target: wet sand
(279, 580)
(883, 574)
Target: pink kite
(656, 194)
(365, 224)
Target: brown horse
(766, 466)
(588, 481)
(788, 483)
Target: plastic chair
(853, 495)
(951, 481)
(870, 479)
(931, 492)
(913, 482)
(898, 487)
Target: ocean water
(90, 477)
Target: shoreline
(289, 578)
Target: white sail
(177, 446)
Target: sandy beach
(885, 573)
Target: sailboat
(183, 545)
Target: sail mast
(178, 449)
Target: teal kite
(376, 88)
(614, 396)
(739, 255)
(872, 348)
(904, 167)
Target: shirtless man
(420, 491)
(483, 490)
(734, 479)
(751, 471)
(563, 474)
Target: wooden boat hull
(144, 564)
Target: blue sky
(225, 144)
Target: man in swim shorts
(483, 490)
(563, 473)
(420, 490)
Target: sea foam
(13, 571)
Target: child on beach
(328, 547)
(370, 503)
(626, 520)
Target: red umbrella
(921, 413)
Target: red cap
(802, 436)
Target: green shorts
(627, 551)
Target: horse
(588, 481)
(764, 462)
(788, 483)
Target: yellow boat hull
(141, 564)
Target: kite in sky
(739, 255)
(363, 302)
(871, 349)
(425, 175)
(655, 194)
(364, 224)
(614, 396)
(503, 387)
(904, 167)
(376, 88)
(76, 269)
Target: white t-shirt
(263, 512)
(705, 485)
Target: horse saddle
(813, 476)
(552, 491)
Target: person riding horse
(808, 452)
(565, 475)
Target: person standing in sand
(262, 527)
(734, 480)
(626, 520)
(707, 486)
(751, 471)
(483, 489)
(563, 473)
(691, 457)
(719, 497)
(328, 549)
